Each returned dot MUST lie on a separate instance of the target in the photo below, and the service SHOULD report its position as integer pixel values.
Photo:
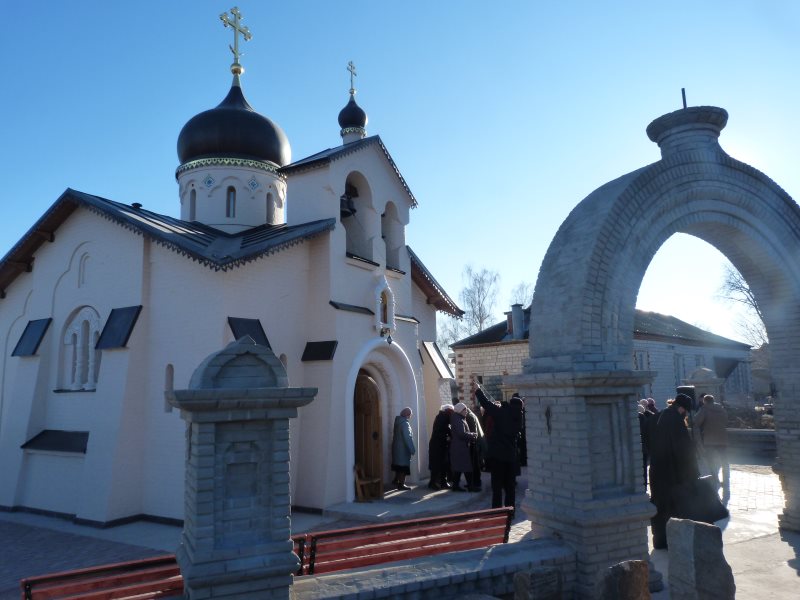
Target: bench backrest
(335, 550)
(145, 578)
(320, 552)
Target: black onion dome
(352, 115)
(233, 130)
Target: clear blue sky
(501, 116)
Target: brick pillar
(787, 437)
(585, 466)
(236, 536)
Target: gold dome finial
(235, 23)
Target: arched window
(270, 209)
(80, 361)
(384, 307)
(230, 202)
(192, 205)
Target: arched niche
(358, 217)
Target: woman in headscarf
(461, 436)
(402, 448)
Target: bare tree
(751, 326)
(522, 294)
(449, 330)
(478, 298)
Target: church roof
(325, 157)
(213, 248)
(647, 326)
(431, 288)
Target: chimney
(517, 330)
(509, 324)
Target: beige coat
(711, 421)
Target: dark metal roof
(215, 249)
(651, 325)
(118, 328)
(352, 115)
(326, 156)
(59, 441)
(491, 335)
(350, 307)
(431, 288)
(30, 339)
(233, 129)
(647, 326)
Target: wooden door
(368, 438)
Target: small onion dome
(352, 115)
(233, 130)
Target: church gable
(326, 157)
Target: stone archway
(584, 484)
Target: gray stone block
(538, 583)
(697, 566)
(627, 580)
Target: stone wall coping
(203, 400)
(442, 571)
(592, 513)
(580, 379)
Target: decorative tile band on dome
(347, 130)
(230, 162)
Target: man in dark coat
(439, 449)
(672, 462)
(503, 455)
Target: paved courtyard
(763, 559)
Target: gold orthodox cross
(352, 68)
(235, 23)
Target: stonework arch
(580, 365)
(587, 286)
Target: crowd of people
(468, 443)
(678, 443)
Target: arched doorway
(580, 381)
(367, 427)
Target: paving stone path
(27, 551)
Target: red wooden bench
(339, 549)
(319, 552)
(145, 579)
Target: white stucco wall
(135, 454)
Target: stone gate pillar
(585, 481)
(236, 536)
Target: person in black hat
(672, 462)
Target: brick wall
(492, 362)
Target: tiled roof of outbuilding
(215, 249)
(652, 325)
(647, 326)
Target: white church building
(103, 305)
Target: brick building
(672, 348)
